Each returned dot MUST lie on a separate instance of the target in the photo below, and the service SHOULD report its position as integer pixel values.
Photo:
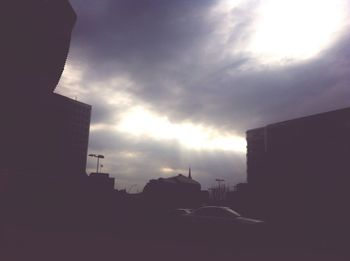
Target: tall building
(35, 39)
(299, 169)
(42, 133)
(48, 140)
(70, 123)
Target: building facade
(42, 133)
(177, 191)
(71, 126)
(299, 169)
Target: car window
(203, 212)
(179, 211)
(216, 212)
(233, 213)
(223, 213)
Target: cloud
(138, 160)
(188, 62)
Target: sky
(177, 83)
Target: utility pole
(98, 156)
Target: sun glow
(140, 122)
(167, 170)
(294, 30)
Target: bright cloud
(71, 82)
(167, 170)
(294, 30)
(140, 122)
(173, 83)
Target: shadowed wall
(41, 132)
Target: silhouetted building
(43, 136)
(42, 133)
(299, 169)
(177, 191)
(71, 124)
(49, 139)
(242, 199)
(35, 38)
(101, 182)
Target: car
(219, 214)
(180, 211)
(223, 222)
(176, 216)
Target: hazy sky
(174, 83)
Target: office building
(42, 133)
(299, 169)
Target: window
(220, 212)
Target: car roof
(219, 207)
(214, 207)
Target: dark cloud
(180, 65)
(140, 34)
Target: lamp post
(98, 156)
(219, 181)
(221, 191)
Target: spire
(189, 173)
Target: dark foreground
(18, 242)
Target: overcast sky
(174, 83)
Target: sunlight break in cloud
(140, 122)
(295, 30)
(167, 170)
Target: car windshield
(216, 212)
(234, 213)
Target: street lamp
(98, 156)
(221, 190)
(219, 181)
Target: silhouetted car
(175, 216)
(223, 222)
(179, 211)
(221, 215)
